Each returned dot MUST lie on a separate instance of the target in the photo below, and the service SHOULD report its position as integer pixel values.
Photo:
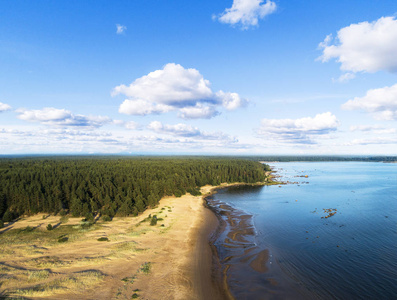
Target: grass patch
(38, 275)
(75, 283)
(145, 268)
(64, 219)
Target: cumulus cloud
(142, 107)
(4, 107)
(61, 117)
(382, 103)
(188, 131)
(199, 111)
(246, 13)
(175, 88)
(120, 28)
(300, 131)
(364, 47)
(231, 101)
(373, 129)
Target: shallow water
(349, 255)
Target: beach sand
(171, 260)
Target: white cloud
(120, 28)
(61, 117)
(382, 103)
(4, 107)
(142, 107)
(373, 129)
(188, 131)
(364, 47)
(231, 101)
(373, 141)
(198, 112)
(131, 125)
(246, 13)
(178, 129)
(300, 131)
(174, 88)
(345, 77)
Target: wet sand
(249, 271)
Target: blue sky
(199, 77)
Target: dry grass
(33, 264)
(74, 283)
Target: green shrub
(153, 221)
(63, 212)
(89, 217)
(103, 239)
(106, 218)
(145, 268)
(49, 227)
(194, 192)
(63, 238)
(27, 229)
(134, 296)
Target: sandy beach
(170, 260)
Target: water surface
(349, 255)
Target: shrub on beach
(153, 221)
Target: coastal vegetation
(110, 186)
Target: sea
(330, 232)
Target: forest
(319, 158)
(112, 186)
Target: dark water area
(330, 235)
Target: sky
(233, 77)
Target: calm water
(350, 255)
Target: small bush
(84, 224)
(153, 221)
(63, 239)
(89, 217)
(145, 268)
(49, 227)
(103, 239)
(134, 296)
(64, 219)
(63, 212)
(27, 229)
(106, 218)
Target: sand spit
(169, 260)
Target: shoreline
(218, 272)
(180, 250)
(240, 261)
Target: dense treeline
(119, 186)
(288, 158)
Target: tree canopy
(113, 186)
